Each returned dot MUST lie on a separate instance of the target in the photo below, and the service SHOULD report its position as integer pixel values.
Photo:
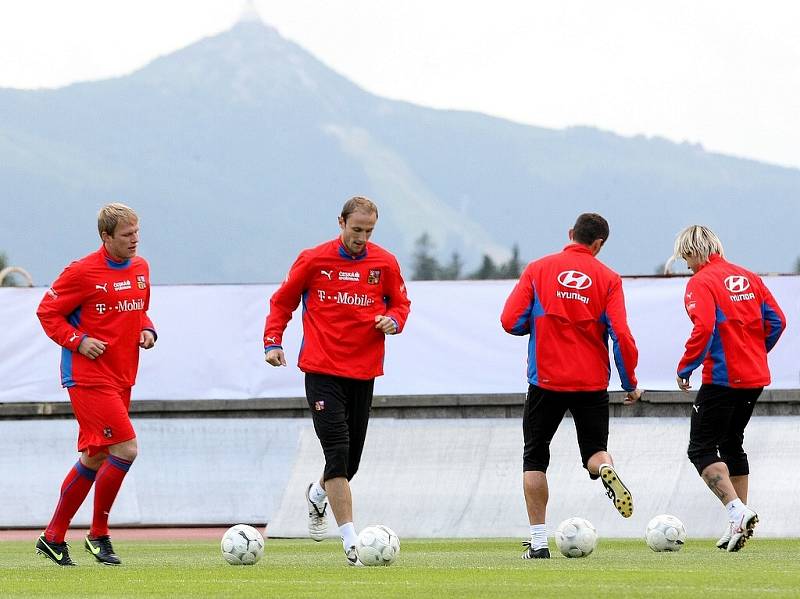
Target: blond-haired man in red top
(97, 312)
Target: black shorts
(719, 417)
(340, 410)
(544, 411)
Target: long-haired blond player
(736, 321)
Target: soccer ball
(242, 545)
(576, 537)
(665, 533)
(377, 546)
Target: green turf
(425, 568)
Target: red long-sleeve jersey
(736, 322)
(341, 294)
(570, 303)
(107, 300)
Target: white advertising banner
(210, 342)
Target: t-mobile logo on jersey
(101, 308)
(130, 305)
(347, 298)
(354, 299)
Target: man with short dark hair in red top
(569, 304)
(736, 321)
(353, 295)
(97, 312)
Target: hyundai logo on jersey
(574, 279)
(737, 283)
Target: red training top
(107, 300)
(570, 303)
(342, 294)
(736, 322)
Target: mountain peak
(250, 13)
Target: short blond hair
(360, 203)
(112, 215)
(697, 241)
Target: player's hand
(275, 357)
(633, 396)
(386, 325)
(147, 339)
(683, 383)
(92, 348)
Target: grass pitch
(440, 569)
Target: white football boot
(726, 537)
(742, 529)
(352, 557)
(317, 523)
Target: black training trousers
(340, 410)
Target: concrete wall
(424, 478)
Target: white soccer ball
(665, 533)
(377, 546)
(576, 537)
(242, 545)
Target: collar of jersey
(345, 254)
(113, 263)
(712, 259)
(577, 247)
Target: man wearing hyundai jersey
(736, 322)
(97, 312)
(353, 295)
(570, 304)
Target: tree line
(426, 267)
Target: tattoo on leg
(713, 483)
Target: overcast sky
(722, 73)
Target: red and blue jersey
(104, 299)
(736, 322)
(341, 295)
(570, 303)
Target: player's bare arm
(92, 348)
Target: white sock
(735, 509)
(316, 493)
(349, 536)
(538, 536)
